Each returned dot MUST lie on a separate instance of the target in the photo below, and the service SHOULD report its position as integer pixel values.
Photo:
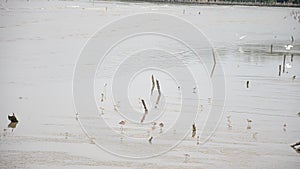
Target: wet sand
(40, 43)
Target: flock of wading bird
(282, 69)
(122, 123)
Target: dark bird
(13, 118)
(123, 122)
(161, 124)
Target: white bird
(153, 125)
(242, 37)
(254, 135)
(288, 65)
(288, 47)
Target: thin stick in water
(146, 110)
(271, 50)
(213, 69)
(283, 65)
(153, 84)
(158, 87)
(194, 130)
(279, 73)
(159, 92)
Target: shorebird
(229, 121)
(13, 118)
(228, 117)
(186, 157)
(284, 127)
(66, 135)
(194, 89)
(122, 123)
(105, 84)
(102, 110)
(153, 125)
(102, 97)
(117, 106)
(161, 125)
(254, 135)
(249, 123)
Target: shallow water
(40, 43)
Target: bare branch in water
(153, 84)
(214, 66)
(158, 87)
(146, 111)
(159, 92)
(194, 130)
